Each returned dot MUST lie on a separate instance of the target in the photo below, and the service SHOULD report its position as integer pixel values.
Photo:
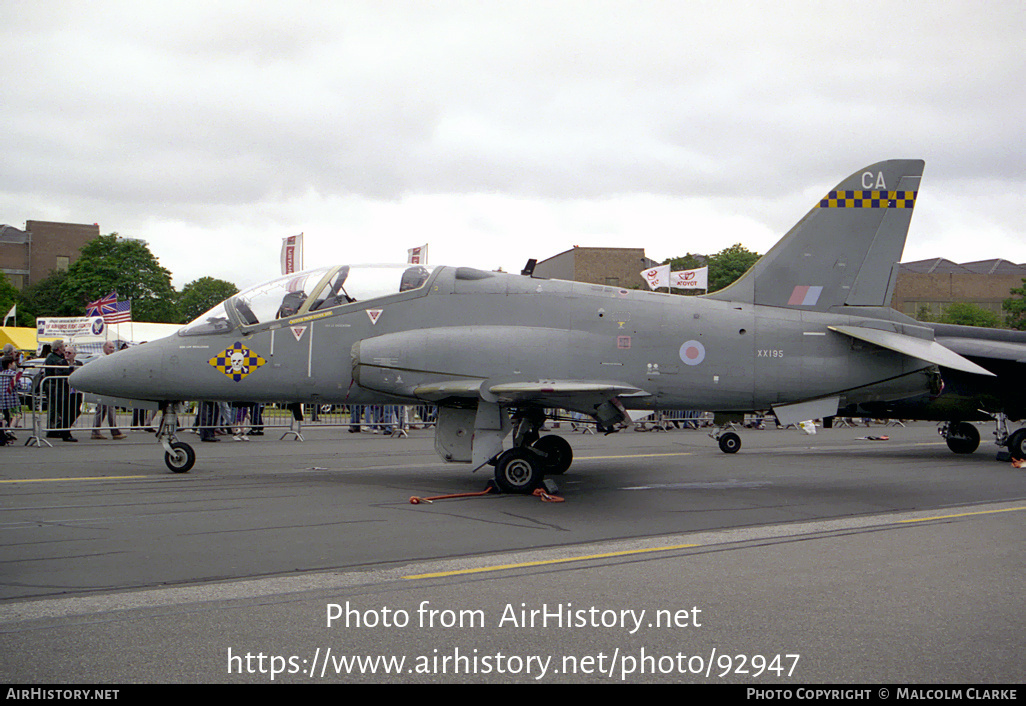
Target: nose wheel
(180, 458)
(178, 455)
(730, 443)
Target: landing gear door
(471, 435)
(454, 434)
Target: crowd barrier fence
(54, 410)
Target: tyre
(1017, 443)
(519, 470)
(181, 457)
(557, 454)
(730, 443)
(963, 437)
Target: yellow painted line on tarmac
(965, 514)
(526, 564)
(55, 480)
(601, 458)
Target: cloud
(491, 127)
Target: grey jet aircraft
(966, 397)
(805, 332)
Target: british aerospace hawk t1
(805, 332)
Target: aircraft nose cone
(96, 377)
(135, 373)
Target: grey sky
(498, 131)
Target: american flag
(123, 313)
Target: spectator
(106, 412)
(9, 402)
(57, 393)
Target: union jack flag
(112, 311)
(103, 306)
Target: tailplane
(845, 251)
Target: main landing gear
(964, 438)
(522, 468)
(1015, 442)
(179, 456)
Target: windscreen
(213, 321)
(311, 290)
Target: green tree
(691, 261)
(112, 264)
(966, 314)
(727, 266)
(9, 297)
(44, 298)
(201, 295)
(1016, 307)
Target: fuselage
(463, 324)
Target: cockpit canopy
(307, 291)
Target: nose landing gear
(179, 457)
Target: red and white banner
(690, 279)
(292, 254)
(657, 276)
(417, 256)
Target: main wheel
(181, 457)
(519, 470)
(730, 443)
(557, 454)
(1017, 443)
(963, 437)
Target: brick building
(933, 283)
(615, 267)
(30, 255)
(938, 282)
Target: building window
(63, 262)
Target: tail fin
(844, 251)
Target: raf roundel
(692, 352)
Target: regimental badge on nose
(237, 361)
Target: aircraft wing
(570, 394)
(555, 392)
(449, 366)
(983, 348)
(921, 348)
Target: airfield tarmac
(801, 559)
